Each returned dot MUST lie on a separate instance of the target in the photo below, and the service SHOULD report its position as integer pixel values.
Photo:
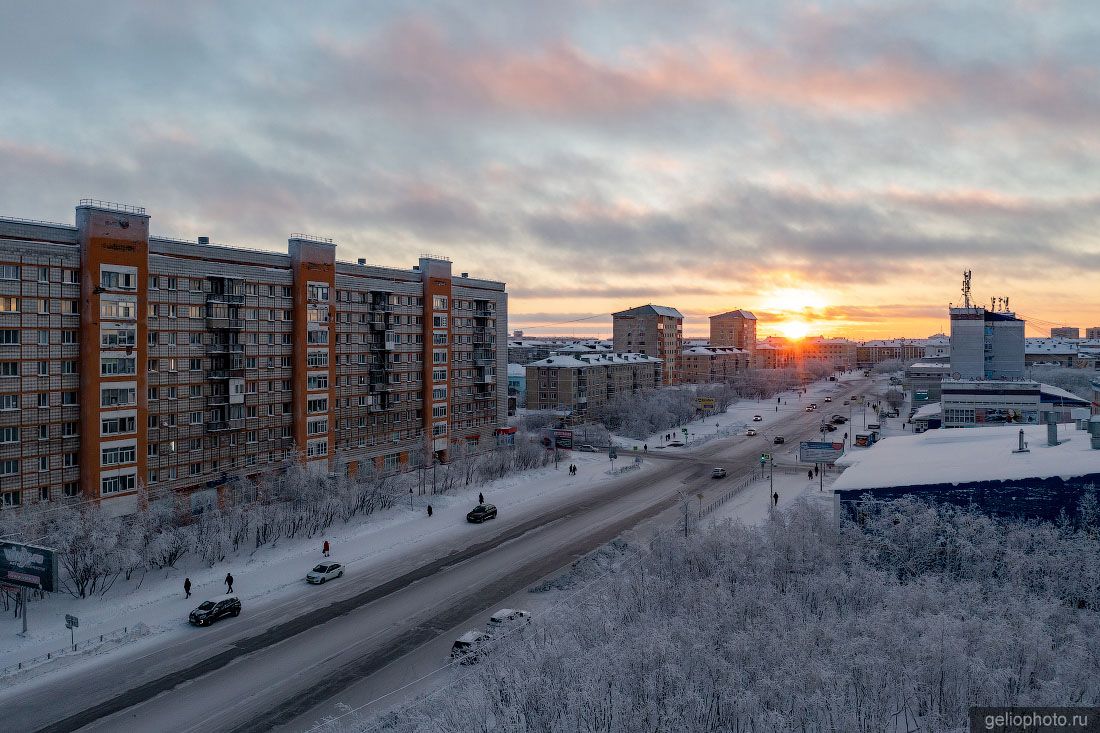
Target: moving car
(757, 418)
(718, 473)
(586, 448)
(750, 432)
(828, 427)
(468, 647)
(481, 512)
(813, 405)
(828, 399)
(325, 571)
(210, 611)
(778, 439)
(506, 616)
(810, 408)
(675, 444)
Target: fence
(730, 493)
(118, 636)
(625, 469)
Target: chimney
(204, 240)
(362, 260)
(1052, 428)
(1023, 445)
(466, 274)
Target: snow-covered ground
(264, 576)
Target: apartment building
(652, 330)
(130, 361)
(1065, 332)
(986, 344)
(711, 364)
(575, 384)
(869, 353)
(735, 328)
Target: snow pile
(785, 628)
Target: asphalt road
(288, 664)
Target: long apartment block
(131, 362)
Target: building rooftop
(960, 455)
(739, 313)
(650, 310)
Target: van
(506, 616)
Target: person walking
(229, 582)
(480, 498)
(645, 447)
(775, 499)
(810, 474)
(324, 549)
(429, 510)
(187, 587)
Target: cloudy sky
(832, 163)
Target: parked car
(750, 432)
(846, 402)
(675, 444)
(506, 616)
(777, 440)
(481, 512)
(757, 418)
(828, 399)
(810, 408)
(210, 611)
(586, 448)
(874, 426)
(813, 405)
(828, 427)
(469, 647)
(325, 571)
(718, 472)
(839, 419)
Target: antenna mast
(966, 288)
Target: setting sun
(794, 329)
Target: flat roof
(962, 455)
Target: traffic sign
(765, 457)
(71, 622)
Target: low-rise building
(1065, 332)
(977, 403)
(922, 381)
(870, 353)
(517, 383)
(1052, 351)
(653, 330)
(574, 385)
(711, 364)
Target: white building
(986, 344)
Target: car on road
(757, 418)
(777, 440)
(810, 408)
(586, 448)
(481, 512)
(813, 405)
(828, 427)
(469, 647)
(839, 419)
(718, 472)
(507, 616)
(218, 607)
(828, 399)
(846, 402)
(675, 444)
(325, 571)
(750, 432)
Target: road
(286, 665)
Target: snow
(953, 456)
(933, 409)
(264, 577)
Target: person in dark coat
(429, 510)
(775, 499)
(810, 473)
(187, 587)
(229, 582)
(480, 498)
(324, 549)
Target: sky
(831, 166)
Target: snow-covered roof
(471, 637)
(559, 360)
(517, 370)
(1050, 393)
(925, 412)
(959, 455)
(739, 313)
(712, 350)
(1050, 346)
(649, 310)
(585, 348)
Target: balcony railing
(217, 348)
(217, 426)
(233, 324)
(232, 299)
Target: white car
(586, 448)
(750, 432)
(757, 418)
(325, 571)
(468, 647)
(718, 473)
(507, 616)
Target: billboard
(819, 452)
(28, 566)
(705, 403)
(558, 439)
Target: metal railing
(112, 206)
(729, 494)
(110, 637)
(310, 238)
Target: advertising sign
(819, 452)
(28, 566)
(563, 438)
(705, 403)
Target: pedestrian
(775, 499)
(810, 474)
(324, 549)
(480, 498)
(229, 582)
(815, 470)
(187, 587)
(645, 447)
(429, 510)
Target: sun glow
(794, 329)
(797, 310)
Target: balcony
(380, 387)
(218, 426)
(217, 348)
(484, 313)
(484, 395)
(218, 399)
(230, 298)
(231, 324)
(232, 372)
(380, 307)
(484, 378)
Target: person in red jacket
(324, 549)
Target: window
(439, 411)
(9, 402)
(69, 429)
(68, 367)
(119, 336)
(71, 460)
(9, 272)
(116, 484)
(439, 302)
(9, 337)
(43, 432)
(317, 427)
(10, 498)
(194, 365)
(439, 375)
(439, 392)
(317, 292)
(118, 455)
(317, 404)
(117, 425)
(315, 337)
(68, 337)
(439, 321)
(114, 365)
(316, 359)
(439, 338)
(43, 307)
(118, 307)
(9, 467)
(43, 338)
(71, 488)
(317, 381)
(69, 398)
(112, 396)
(118, 280)
(9, 369)
(196, 418)
(43, 274)
(195, 469)
(9, 305)
(9, 435)
(43, 368)
(439, 356)
(72, 277)
(316, 448)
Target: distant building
(1092, 333)
(870, 353)
(652, 330)
(574, 385)
(937, 347)
(767, 355)
(922, 380)
(1052, 351)
(976, 403)
(517, 383)
(1065, 332)
(711, 364)
(986, 344)
(525, 351)
(735, 328)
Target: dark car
(827, 427)
(481, 512)
(778, 439)
(210, 611)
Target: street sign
(612, 453)
(71, 622)
(28, 566)
(765, 457)
(819, 452)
